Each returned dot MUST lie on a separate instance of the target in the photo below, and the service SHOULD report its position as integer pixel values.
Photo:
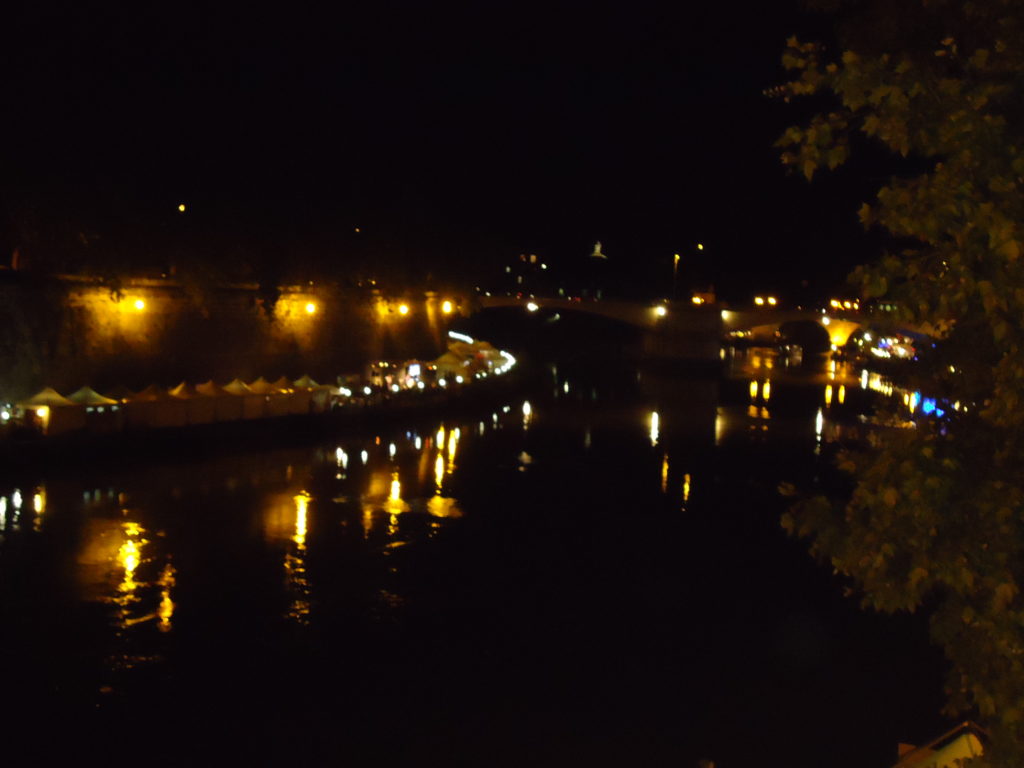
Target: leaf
(1004, 594)
(1011, 249)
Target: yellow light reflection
(439, 440)
(301, 507)
(441, 506)
(828, 394)
(842, 393)
(165, 610)
(655, 420)
(295, 562)
(129, 555)
(766, 389)
(396, 489)
(753, 390)
(664, 473)
(453, 443)
(39, 505)
(686, 487)
(438, 471)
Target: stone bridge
(762, 324)
(671, 331)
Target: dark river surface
(591, 573)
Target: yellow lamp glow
(447, 307)
(697, 300)
(139, 304)
(310, 308)
(660, 311)
(403, 309)
(181, 207)
(759, 301)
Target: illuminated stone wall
(69, 333)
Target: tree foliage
(936, 518)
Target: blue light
(928, 405)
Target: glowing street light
(181, 207)
(532, 306)
(403, 309)
(139, 304)
(759, 301)
(660, 311)
(447, 307)
(311, 308)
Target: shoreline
(20, 453)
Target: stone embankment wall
(66, 333)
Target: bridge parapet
(674, 331)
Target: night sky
(453, 135)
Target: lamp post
(675, 270)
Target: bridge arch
(763, 324)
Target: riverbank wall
(66, 332)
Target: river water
(590, 573)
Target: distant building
(596, 272)
(948, 751)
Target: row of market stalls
(180, 406)
(52, 413)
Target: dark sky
(450, 133)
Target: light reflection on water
(376, 498)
